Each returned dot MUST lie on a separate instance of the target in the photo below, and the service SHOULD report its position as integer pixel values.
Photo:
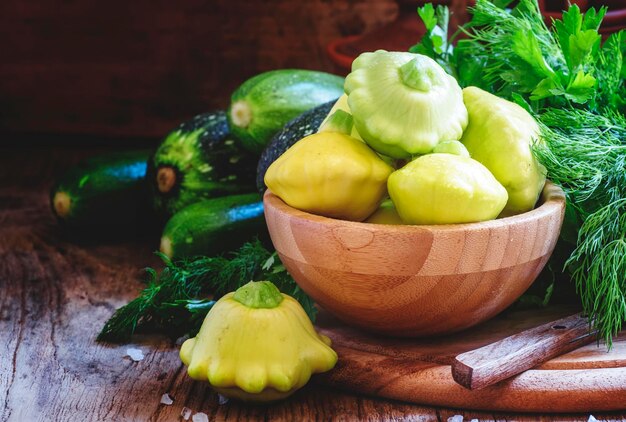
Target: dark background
(86, 72)
(83, 70)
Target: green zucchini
(213, 226)
(199, 160)
(103, 191)
(304, 125)
(262, 105)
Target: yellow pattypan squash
(499, 135)
(330, 174)
(443, 188)
(257, 344)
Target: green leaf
(434, 43)
(546, 88)
(520, 101)
(427, 13)
(469, 68)
(502, 4)
(582, 88)
(593, 19)
(526, 47)
(443, 18)
(572, 19)
(581, 46)
(622, 37)
(269, 263)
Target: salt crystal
(455, 418)
(200, 417)
(186, 413)
(134, 354)
(221, 399)
(166, 399)
(474, 420)
(592, 419)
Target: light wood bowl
(415, 280)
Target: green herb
(435, 42)
(574, 85)
(513, 51)
(586, 155)
(175, 301)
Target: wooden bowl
(415, 280)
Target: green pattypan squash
(499, 135)
(404, 104)
(443, 188)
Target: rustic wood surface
(415, 280)
(419, 370)
(56, 292)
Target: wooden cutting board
(418, 370)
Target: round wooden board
(418, 370)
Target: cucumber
(262, 105)
(214, 226)
(199, 160)
(103, 191)
(304, 125)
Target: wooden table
(55, 294)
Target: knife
(487, 365)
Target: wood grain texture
(415, 280)
(419, 370)
(497, 361)
(139, 68)
(56, 292)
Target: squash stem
(241, 114)
(415, 74)
(340, 121)
(166, 179)
(166, 246)
(258, 294)
(62, 203)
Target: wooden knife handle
(512, 355)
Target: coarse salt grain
(592, 419)
(166, 399)
(134, 354)
(200, 417)
(221, 399)
(186, 413)
(455, 418)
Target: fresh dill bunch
(177, 299)
(585, 153)
(599, 268)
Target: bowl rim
(551, 201)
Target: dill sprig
(585, 153)
(178, 298)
